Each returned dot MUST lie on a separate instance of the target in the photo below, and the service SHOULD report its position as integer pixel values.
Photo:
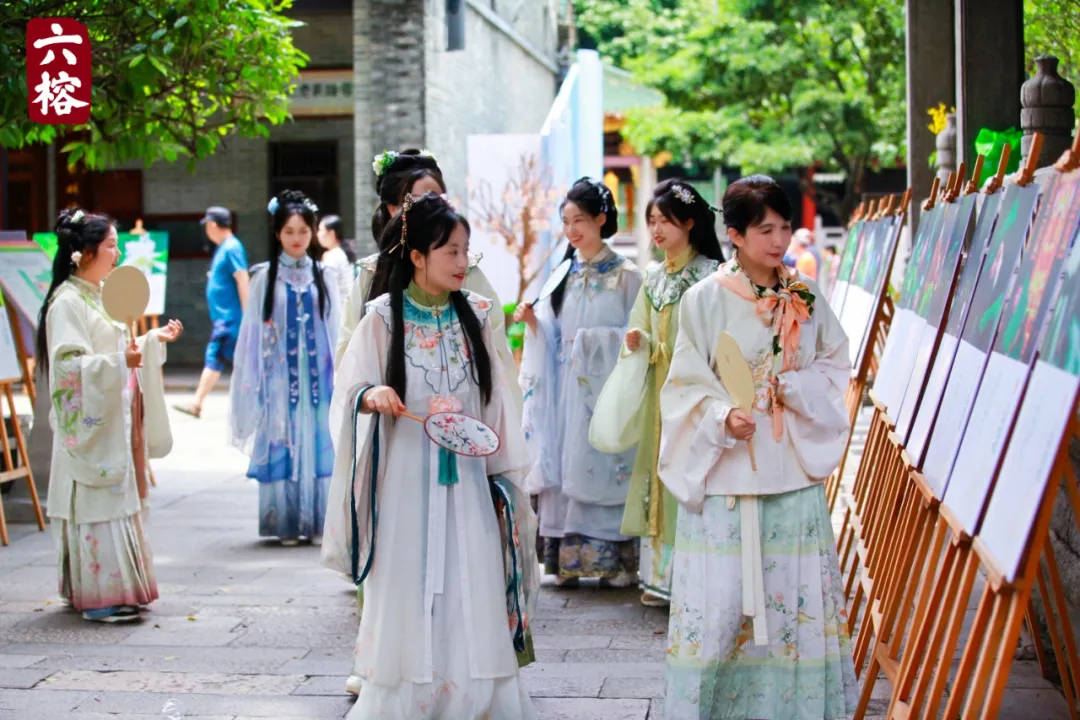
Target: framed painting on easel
(978, 335)
(1027, 306)
(889, 384)
(1044, 415)
(933, 303)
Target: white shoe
(289, 542)
(623, 580)
(650, 600)
(317, 541)
(353, 684)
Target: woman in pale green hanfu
(683, 226)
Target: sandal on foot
(191, 410)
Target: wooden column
(989, 69)
(930, 80)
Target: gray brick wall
(390, 72)
(238, 177)
(411, 92)
(492, 86)
(325, 37)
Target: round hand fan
(459, 433)
(737, 379)
(126, 294)
(557, 275)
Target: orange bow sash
(784, 311)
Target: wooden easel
(988, 654)
(18, 466)
(906, 584)
(890, 494)
(879, 323)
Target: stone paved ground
(247, 629)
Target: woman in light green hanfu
(683, 226)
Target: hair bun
(292, 196)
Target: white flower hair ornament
(604, 191)
(383, 161)
(77, 216)
(683, 194)
(428, 154)
(76, 258)
(272, 206)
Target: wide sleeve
(693, 407)
(349, 529)
(353, 310)
(539, 381)
(815, 416)
(479, 283)
(507, 468)
(158, 434)
(334, 298)
(246, 391)
(501, 414)
(641, 319)
(616, 421)
(86, 389)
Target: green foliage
(171, 78)
(764, 85)
(1052, 27)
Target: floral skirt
(656, 564)
(714, 669)
(104, 564)
(577, 556)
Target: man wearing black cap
(226, 296)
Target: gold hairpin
(406, 205)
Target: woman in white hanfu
(108, 417)
(572, 346)
(441, 541)
(412, 172)
(758, 627)
(335, 256)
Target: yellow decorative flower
(937, 117)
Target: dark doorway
(310, 167)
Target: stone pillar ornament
(1047, 100)
(946, 148)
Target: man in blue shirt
(227, 286)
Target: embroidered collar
(663, 288)
(286, 260)
(603, 262)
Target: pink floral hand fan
(459, 433)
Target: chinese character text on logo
(58, 71)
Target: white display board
(494, 163)
(1027, 466)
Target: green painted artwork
(148, 251)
